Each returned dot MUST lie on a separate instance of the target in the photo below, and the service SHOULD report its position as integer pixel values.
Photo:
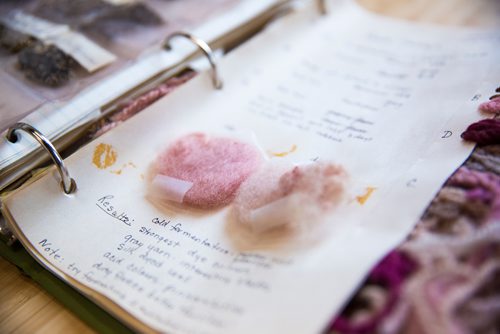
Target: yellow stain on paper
(120, 171)
(104, 156)
(284, 154)
(363, 198)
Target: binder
(67, 183)
(156, 65)
(248, 24)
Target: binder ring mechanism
(204, 47)
(67, 183)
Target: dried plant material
(98, 16)
(45, 64)
(13, 41)
(118, 20)
(70, 12)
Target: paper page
(385, 99)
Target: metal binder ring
(216, 81)
(67, 183)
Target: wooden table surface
(26, 308)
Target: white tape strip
(275, 214)
(170, 188)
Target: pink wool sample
(491, 107)
(283, 196)
(203, 171)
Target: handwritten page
(385, 99)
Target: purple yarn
(483, 254)
(393, 269)
(480, 194)
(390, 273)
(485, 132)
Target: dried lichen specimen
(45, 64)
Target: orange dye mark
(120, 171)
(284, 154)
(104, 156)
(363, 198)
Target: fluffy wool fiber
(215, 166)
(491, 107)
(280, 195)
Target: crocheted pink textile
(445, 277)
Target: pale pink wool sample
(296, 197)
(215, 166)
(491, 107)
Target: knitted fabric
(444, 277)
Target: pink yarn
(491, 107)
(132, 107)
(455, 287)
(393, 269)
(216, 167)
(390, 273)
(485, 132)
(148, 98)
(458, 279)
(481, 186)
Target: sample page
(259, 208)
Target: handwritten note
(352, 88)
(161, 260)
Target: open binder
(97, 101)
(281, 106)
